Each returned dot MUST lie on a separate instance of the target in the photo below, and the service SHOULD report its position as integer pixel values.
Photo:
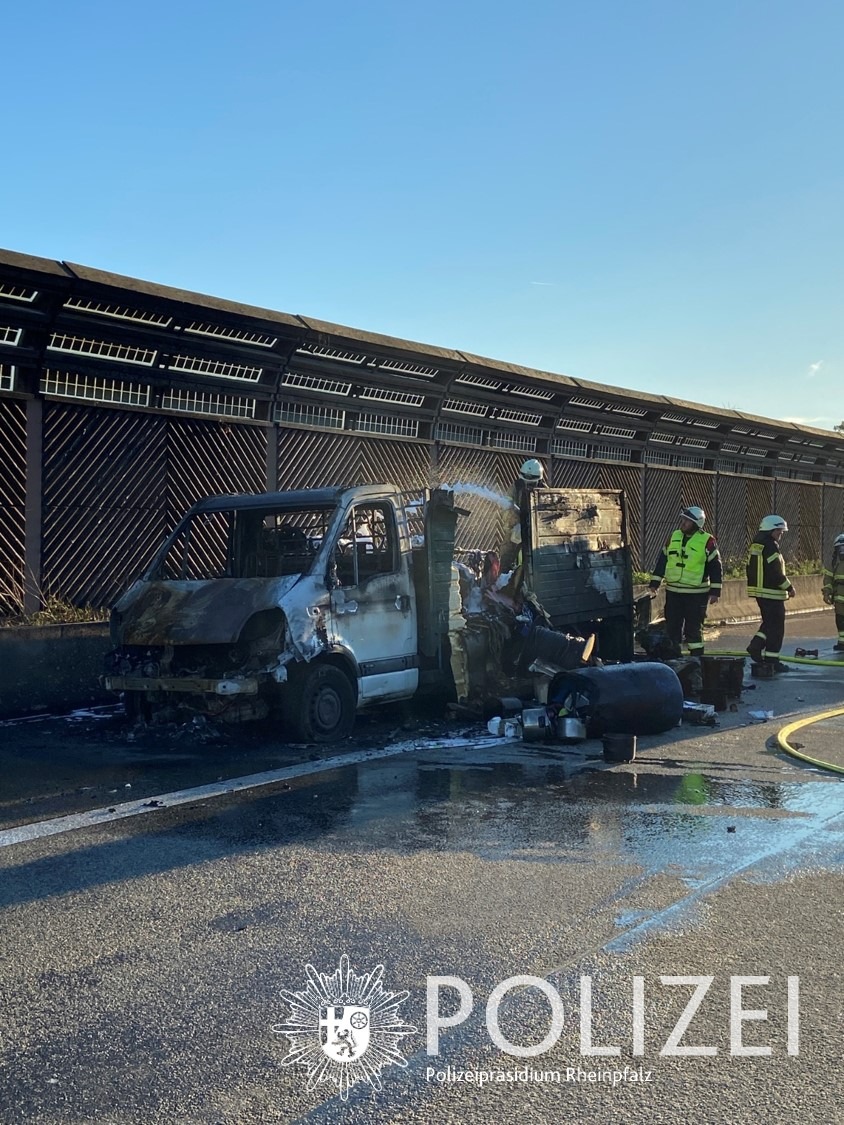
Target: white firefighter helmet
(696, 515)
(532, 470)
(773, 523)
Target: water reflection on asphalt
(507, 804)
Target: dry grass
(55, 610)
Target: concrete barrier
(735, 605)
(52, 667)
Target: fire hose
(783, 735)
(813, 661)
(785, 745)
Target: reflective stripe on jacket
(766, 576)
(690, 564)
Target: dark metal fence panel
(786, 503)
(115, 482)
(211, 458)
(308, 459)
(698, 488)
(833, 518)
(405, 464)
(568, 473)
(729, 522)
(809, 545)
(759, 503)
(483, 481)
(663, 502)
(630, 480)
(104, 499)
(12, 511)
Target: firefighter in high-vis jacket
(768, 583)
(690, 564)
(833, 588)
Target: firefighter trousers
(684, 617)
(772, 629)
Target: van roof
(288, 501)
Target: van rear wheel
(320, 705)
(136, 706)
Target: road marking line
(38, 829)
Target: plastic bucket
(619, 747)
(723, 674)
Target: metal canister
(535, 725)
(570, 729)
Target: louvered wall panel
(833, 518)
(730, 522)
(630, 481)
(104, 501)
(568, 473)
(12, 503)
(405, 464)
(663, 495)
(307, 459)
(758, 503)
(786, 503)
(699, 489)
(483, 481)
(809, 545)
(212, 458)
(208, 459)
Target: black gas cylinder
(639, 698)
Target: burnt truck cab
(301, 601)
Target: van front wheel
(320, 705)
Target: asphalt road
(147, 954)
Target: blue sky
(645, 194)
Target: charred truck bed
(579, 565)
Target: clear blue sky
(646, 194)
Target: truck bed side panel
(579, 563)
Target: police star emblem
(344, 1028)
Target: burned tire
(320, 704)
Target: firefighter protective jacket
(690, 564)
(766, 576)
(833, 579)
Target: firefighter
(690, 564)
(833, 588)
(768, 584)
(531, 475)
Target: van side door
(373, 608)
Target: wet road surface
(143, 958)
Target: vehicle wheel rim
(327, 710)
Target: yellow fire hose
(786, 659)
(783, 735)
(785, 745)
